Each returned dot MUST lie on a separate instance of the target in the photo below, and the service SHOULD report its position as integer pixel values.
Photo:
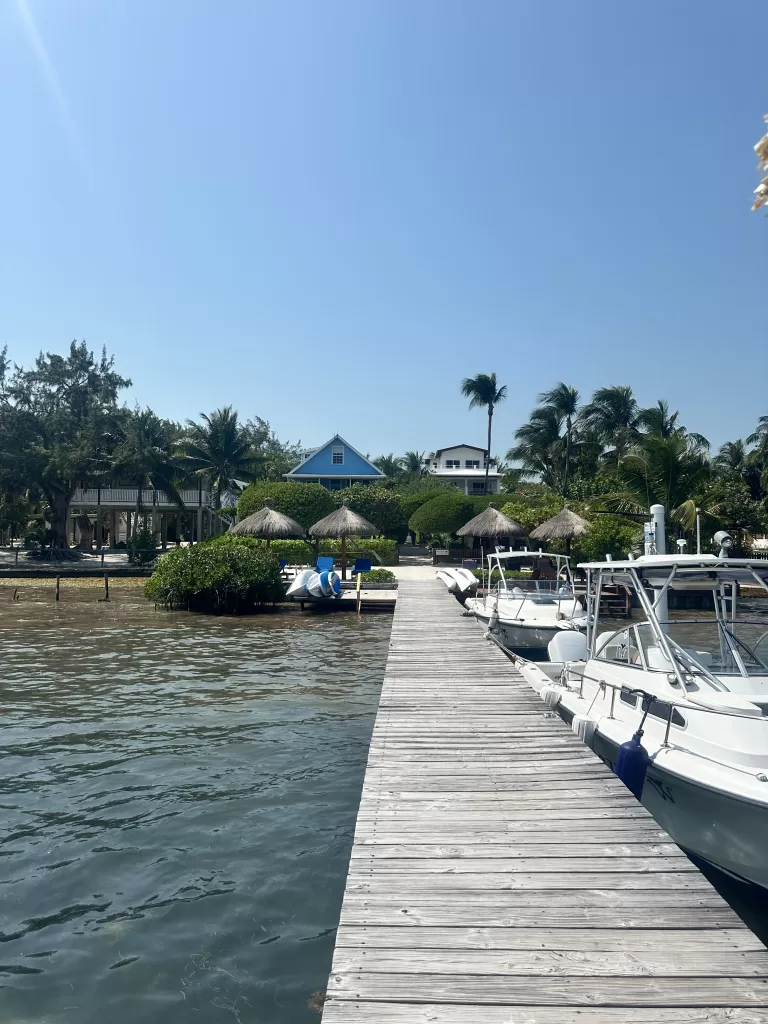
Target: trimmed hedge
(412, 502)
(299, 552)
(306, 503)
(444, 513)
(382, 507)
(225, 576)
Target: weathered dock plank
(501, 874)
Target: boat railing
(670, 703)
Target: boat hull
(530, 640)
(723, 830)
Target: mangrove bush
(222, 577)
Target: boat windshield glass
(542, 575)
(702, 647)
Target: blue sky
(329, 213)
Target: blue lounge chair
(324, 564)
(361, 565)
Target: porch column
(112, 528)
(163, 530)
(97, 530)
(199, 524)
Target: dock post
(58, 586)
(106, 586)
(359, 594)
(16, 559)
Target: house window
(477, 486)
(338, 456)
(472, 464)
(453, 463)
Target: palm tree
(612, 416)
(760, 434)
(144, 455)
(413, 462)
(484, 392)
(389, 465)
(669, 471)
(540, 447)
(660, 422)
(729, 460)
(564, 401)
(220, 450)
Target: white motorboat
(693, 690)
(526, 614)
(460, 582)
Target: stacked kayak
(310, 584)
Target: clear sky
(328, 213)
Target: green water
(178, 800)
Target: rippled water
(178, 798)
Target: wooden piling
(58, 587)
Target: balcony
(126, 497)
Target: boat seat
(567, 645)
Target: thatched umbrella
(491, 523)
(564, 526)
(268, 524)
(341, 524)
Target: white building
(463, 465)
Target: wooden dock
(501, 874)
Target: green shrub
(532, 512)
(141, 547)
(306, 503)
(221, 576)
(445, 513)
(377, 576)
(480, 502)
(608, 535)
(382, 507)
(36, 536)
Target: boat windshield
(530, 574)
(702, 648)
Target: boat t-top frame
(498, 559)
(722, 576)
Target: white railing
(126, 497)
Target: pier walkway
(501, 874)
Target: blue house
(335, 465)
